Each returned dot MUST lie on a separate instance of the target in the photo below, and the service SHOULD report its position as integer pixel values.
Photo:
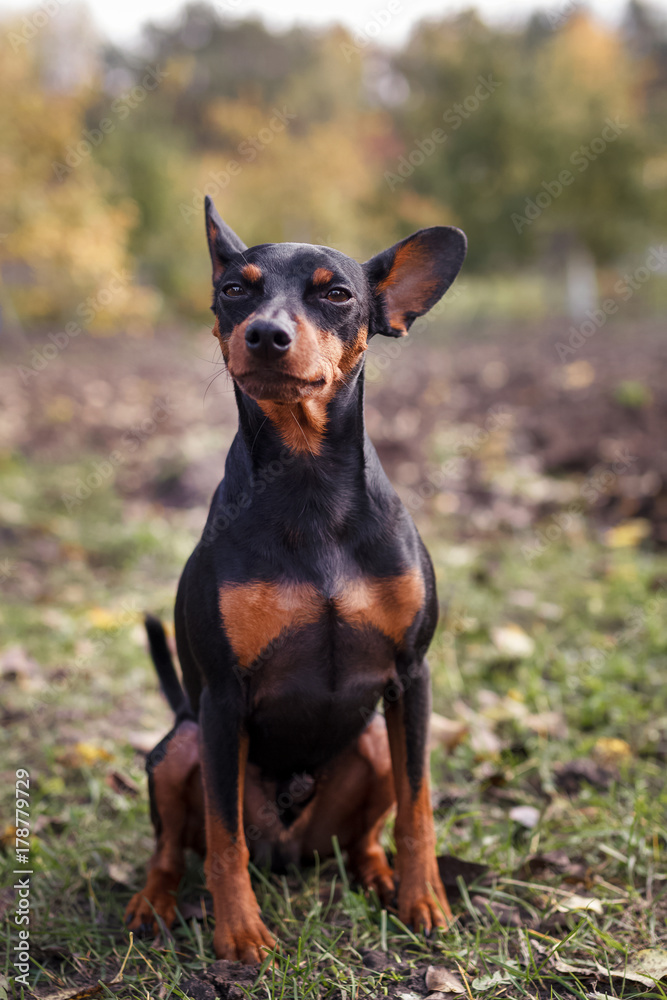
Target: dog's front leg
(422, 902)
(240, 934)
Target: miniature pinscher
(310, 598)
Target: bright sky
(121, 19)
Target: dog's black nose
(267, 339)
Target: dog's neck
(314, 433)
(309, 491)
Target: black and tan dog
(309, 598)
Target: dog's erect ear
(408, 279)
(223, 242)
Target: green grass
(75, 586)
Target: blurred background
(351, 135)
(523, 422)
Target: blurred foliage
(318, 136)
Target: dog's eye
(338, 295)
(233, 291)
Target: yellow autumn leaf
(104, 619)
(611, 751)
(83, 754)
(578, 375)
(60, 410)
(88, 753)
(7, 836)
(628, 534)
(101, 618)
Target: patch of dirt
(473, 426)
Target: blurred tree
(63, 251)
(545, 143)
(532, 165)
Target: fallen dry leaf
(645, 966)
(102, 618)
(121, 873)
(121, 784)
(546, 723)
(447, 733)
(578, 970)
(609, 751)
(578, 375)
(628, 534)
(554, 862)
(84, 754)
(577, 902)
(441, 980)
(511, 640)
(527, 816)
(491, 982)
(16, 665)
(452, 868)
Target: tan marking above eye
(251, 272)
(322, 276)
(255, 614)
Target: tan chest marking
(389, 604)
(255, 614)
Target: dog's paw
(249, 943)
(145, 907)
(424, 907)
(374, 873)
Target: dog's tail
(166, 671)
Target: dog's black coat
(317, 521)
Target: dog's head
(293, 320)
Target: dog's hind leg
(352, 802)
(177, 814)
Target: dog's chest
(261, 618)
